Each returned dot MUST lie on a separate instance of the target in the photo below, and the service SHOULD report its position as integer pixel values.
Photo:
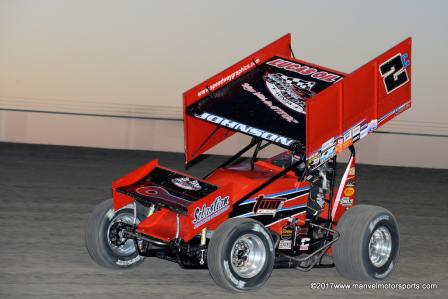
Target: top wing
(268, 102)
(295, 104)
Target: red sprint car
(250, 215)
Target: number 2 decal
(394, 72)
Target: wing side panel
(358, 104)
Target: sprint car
(251, 214)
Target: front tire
(369, 243)
(98, 237)
(241, 255)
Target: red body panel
(244, 180)
(359, 98)
(235, 181)
(162, 224)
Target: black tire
(97, 238)
(219, 256)
(351, 251)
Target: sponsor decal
(247, 87)
(395, 112)
(364, 130)
(347, 135)
(287, 232)
(339, 145)
(394, 72)
(327, 154)
(346, 201)
(403, 107)
(335, 145)
(206, 213)
(350, 182)
(129, 262)
(224, 122)
(187, 183)
(387, 115)
(304, 70)
(327, 144)
(229, 77)
(291, 92)
(347, 139)
(373, 124)
(352, 171)
(314, 160)
(356, 133)
(349, 191)
(304, 244)
(268, 206)
(285, 244)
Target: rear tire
(369, 243)
(98, 243)
(241, 255)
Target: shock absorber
(202, 244)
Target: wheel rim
(248, 255)
(128, 248)
(380, 246)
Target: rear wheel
(369, 243)
(104, 240)
(241, 255)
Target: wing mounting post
(234, 157)
(255, 154)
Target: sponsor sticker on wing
(347, 139)
(339, 143)
(291, 92)
(364, 130)
(327, 144)
(314, 160)
(356, 133)
(327, 154)
(373, 124)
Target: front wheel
(241, 255)
(369, 243)
(103, 240)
